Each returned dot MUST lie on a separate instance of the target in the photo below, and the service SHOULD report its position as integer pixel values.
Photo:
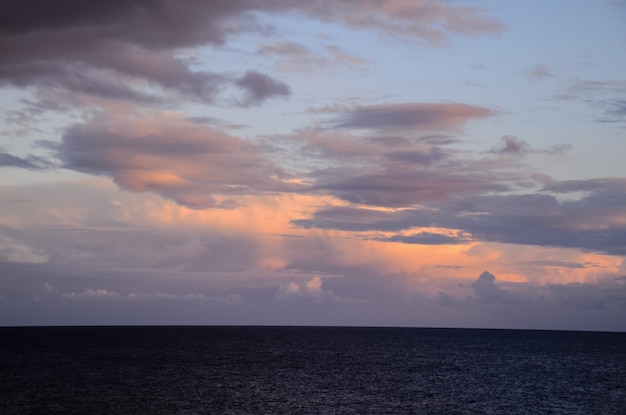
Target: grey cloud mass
(486, 289)
(593, 222)
(29, 162)
(399, 186)
(259, 87)
(412, 116)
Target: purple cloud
(593, 222)
(100, 49)
(259, 87)
(412, 116)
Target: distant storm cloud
(182, 160)
(412, 116)
(486, 288)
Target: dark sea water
(308, 370)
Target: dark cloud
(380, 149)
(285, 48)
(166, 23)
(105, 48)
(348, 218)
(402, 186)
(559, 264)
(602, 185)
(260, 87)
(585, 296)
(486, 289)
(560, 306)
(593, 222)
(94, 50)
(615, 110)
(433, 155)
(29, 162)
(412, 116)
(438, 139)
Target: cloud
(124, 256)
(412, 116)
(433, 155)
(260, 87)
(487, 290)
(559, 306)
(104, 295)
(593, 86)
(513, 146)
(13, 251)
(291, 49)
(109, 50)
(601, 185)
(402, 186)
(292, 56)
(312, 289)
(539, 72)
(603, 96)
(593, 222)
(29, 162)
(182, 160)
(309, 288)
(427, 238)
(342, 57)
(432, 23)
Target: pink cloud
(182, 160)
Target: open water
(309, 370)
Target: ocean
(309, 370)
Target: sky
(357, 163)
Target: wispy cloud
(513, 146)
(539, 72)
